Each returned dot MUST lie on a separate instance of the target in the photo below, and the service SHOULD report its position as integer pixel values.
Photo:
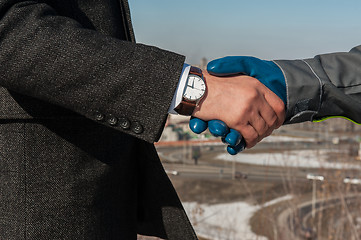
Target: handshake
(245, 101)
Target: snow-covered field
(303, 158)
(278, 139)
(226, 221)
(231, 221)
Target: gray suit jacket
(80, 106)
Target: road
(177, 160)
(304, 215)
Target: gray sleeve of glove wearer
(324, 86)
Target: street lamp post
(314, 178)
(352, 180)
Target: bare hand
(244, 104)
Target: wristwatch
(193, 93)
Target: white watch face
(195, 88)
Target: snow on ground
(278, 139)
(300, 158)
(226, 221)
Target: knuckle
(240, 119)
(253, 95)
(264, 132)
(251, 144)
(279, 108)
(252, 137)
(269, 132)
(273, 121)
(246, 109)
(255, 135)
(262, 127)
(234, 122)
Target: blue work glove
(218, 128)
(267, 72)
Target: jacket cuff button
(137, 128)
(112, 121)
(99, 116)
(124, 123)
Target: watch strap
(196, 71)
(185, 108)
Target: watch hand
(189, 84)
(199, 89)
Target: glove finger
(233, 138)
(197, 125)
(236, 149)
(218, 128)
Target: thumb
(229, 66)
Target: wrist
(194, 91)
(204, 109)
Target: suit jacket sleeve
(55, 59)
(322, 87)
